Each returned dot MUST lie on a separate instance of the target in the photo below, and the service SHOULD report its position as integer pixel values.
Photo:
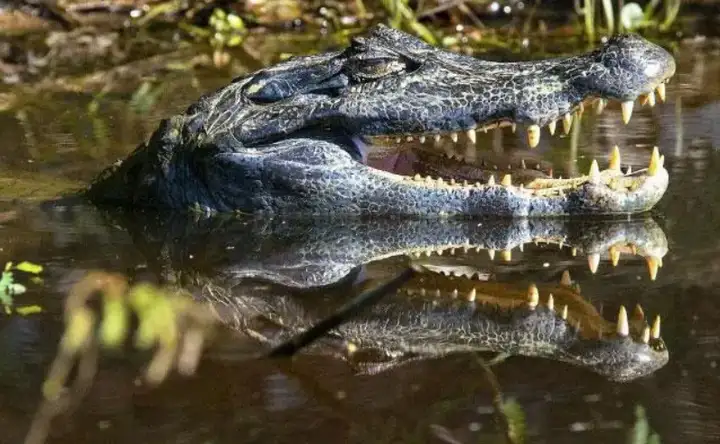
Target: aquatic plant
(9, 287)
(628, 17)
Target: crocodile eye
(373, 69)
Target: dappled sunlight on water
(299, 272)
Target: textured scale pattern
(280, 139)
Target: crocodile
(272, 279)
(294, 138)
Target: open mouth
(526, 176)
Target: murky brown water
(53, 141)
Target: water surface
(54, 140)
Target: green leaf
(632, 16)
(29, 309)
(29, 267)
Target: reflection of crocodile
(449, 314)
(289, 138)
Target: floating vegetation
(9, 287)
(631, 16)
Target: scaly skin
(432, 315)
(288, 139)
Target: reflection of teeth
(615, 159)
(614, 256)
(593, 262)
(661, 91)
(472, 295)
(565, 279)
(437, 137)
(514, 127)
(506, 255)
(422, 139)
(471, 135)
(567, 123)
(627, 109)
(551, 127)
(454, 137)
(533, 296)
(533, 133)
(600, 105)
(551, 302)
(491, 253)
(656, 328)
(623, 326)
(565, 312)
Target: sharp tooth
(567, 123)
(623, 326)
(655, 332)
(651, 98)
(471, 135)
(491, 181)
(627, 109)
(409, 138)
(398, 140)
(491, 253)
(506, 255)
(454, 293)
(565, 279)
(654, 162)
(593, 262)
(417, 177)
(551, 127)
(614, 256)
(551, 302)
(514, 127)
(573, 251)
(638, 314)
(594, 172)
(507, 180)
(452, 181)
(628, 171)
(428, 180)
(472, 295)
(533, 133)
(600, 105)
(533, 296)
(423, 292)
(437, 137)
(437, 293)
(522, 164)
(581, 109)
(661, 91)
(615, 159)
(440, 182)
(422, 139)
(565, 312)
(454, 137)
(653, 264)
(646, 335)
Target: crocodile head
(292, 138)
